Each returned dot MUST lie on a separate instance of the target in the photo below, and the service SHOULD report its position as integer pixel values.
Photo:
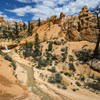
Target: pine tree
(30, 28)
(37, 51)
(28, 49)
(49, 24)
(50, 46)
(24, 26)
(39, 22)
(16, 29)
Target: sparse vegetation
(51, 79)
(67, 74)
(75, 90)
(71, 67)
(82, 78)
(8, 58)
(64, 87)
(64, 54)
(57, 78)
(28, 49)
(14, 65)
(71, 59)
(39, 22)
(93, 85)
(30, 28)
(50, 46)
(77, 83)
(84, 55)
(11, 60)
(36, 52)
(53, 70)
(16, 30)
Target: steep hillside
(76, 28)
(50, 59)
(9, 85)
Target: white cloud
(25, 1)
(22, 11)
(47, 8)
(8, 18)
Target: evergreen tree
(4, 34)
(30, 28)
(39, 22)
(37, 51)
(8, 28)
(24, 26)
(49, 24)
(28, 49)
(10, 35)
(50, 46)
(16, 29)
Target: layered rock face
(82, 27)
(87, 25)
(2, 19)
(85, 12)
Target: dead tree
(96, 50)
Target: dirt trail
(32, 84)
(26, 65)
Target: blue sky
(16, 10)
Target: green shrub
(64, 49)
(95, 86)
(53, 70)
(42, 62)
(27, 49)
(51, 80)
(64, 54)
(39, 66)
(50, 46)
(83, 55)
(14, 65)
(8, 58)
(64, 87)
(67, 74)
(58, 78)
(77, 83)
(71, 59)
(82, 78)
(71, 67)
(75, 90)
(63, 57)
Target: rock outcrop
(85, 12)
(2, 19)
(82, 27)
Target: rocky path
(68, 95)
(30, 74)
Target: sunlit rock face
(82, 27)
(2, 19)
(85, 12)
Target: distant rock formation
(82, 27)
(2, 19)
(85, 12)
